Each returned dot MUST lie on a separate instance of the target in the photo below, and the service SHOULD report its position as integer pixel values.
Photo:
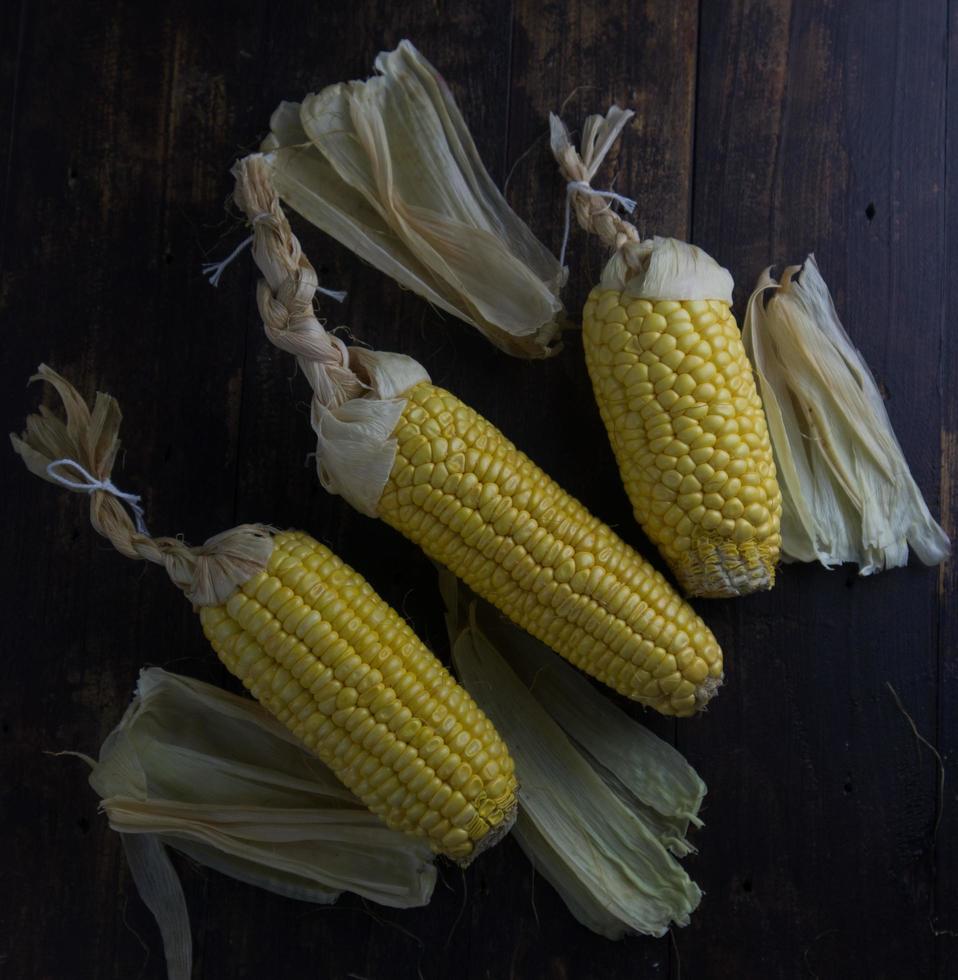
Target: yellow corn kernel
(718, 434)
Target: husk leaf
(604, 852)
(388, 167)
(191, 762)
(217, 777)
(667, 269)
(848, 495)
(638, 765)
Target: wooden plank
(820, 128)
(12, 23)
(576, 59)
(121, 134)
(945, 918)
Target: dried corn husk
(602, 800)
(665, 267)
(638, 765)
(848, 495)
(388, 167)
(216, 777)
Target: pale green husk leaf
(641, 767)
(847, 492)
(388, 167)
(208, 771)
(600, 802)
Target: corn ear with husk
(675, 390)
(311, 640)
(605, 805)
(402, 449)
(388, 167)
(849, 495)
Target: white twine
(581, 187)
(337, 294)
(214, 270)
(92, 484)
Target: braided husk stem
(208, 574)
(595, 214)
(285, 293)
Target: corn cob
(313, 643)
(679, 402)
(462, 492)
(676, 393)
(451, 482)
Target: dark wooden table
(764, 130)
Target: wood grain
(765, 129)
(945, 919)
(820, 128)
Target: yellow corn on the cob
(473, 502)
(675, 389)
(314, 644)
(677, 396)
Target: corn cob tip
(697, 703)
(707, 690)
(722, 569)
(493, 836)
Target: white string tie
(337, 294)
(91, 484)
(214, 270)
(581, 187)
